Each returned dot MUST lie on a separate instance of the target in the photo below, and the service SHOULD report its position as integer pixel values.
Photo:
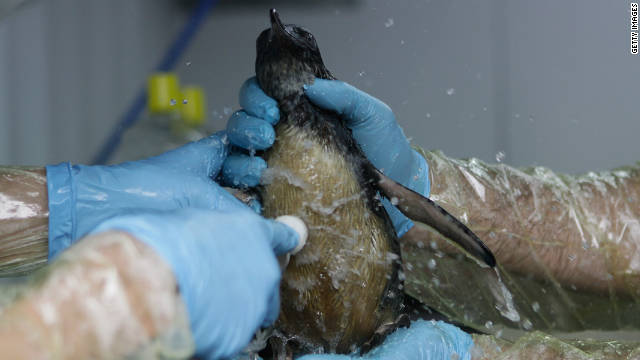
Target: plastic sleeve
(538, 345)
(580, 230)
(567, 248)
(24, 217)
(110, 296)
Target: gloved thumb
(289, 234)
(202, 158)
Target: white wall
(68, 68)
(570, 67)
(546, 82)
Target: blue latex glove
(250, 129)
(372, 123)
(225, 266)
(81, 197)
(424, 340)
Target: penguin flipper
(419, 208)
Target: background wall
(543, 82)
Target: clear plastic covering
(24, 215)
(537, 345)
(566, 248)
(108, 297)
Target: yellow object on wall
(192, 106)
(163, 93)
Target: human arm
(581, 231)
(43, 211)
(120, 289)
(108, 297)
(24, 216)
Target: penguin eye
(311, 40)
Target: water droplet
(488, 324)
(185, 101)
(484, 108)
(517, 116)
(362, 73)
(428, 115)
(226, 110)
(389, 23)
(401, 42)
(535, 306)
(188, 63)
(527, 325)
(172, 102)
(394, 201)
(500, 156)
(451, 91)
(499, 334)
(431, 264)
(571, 257)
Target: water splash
(272, 173)
(504, 298)
(318, 207)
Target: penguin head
(287, 58)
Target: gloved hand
(250, 129)
(372, 123)
(424, 340)
(225, 266)
(81, 197)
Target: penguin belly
(332, 291)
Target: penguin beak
(277, 27)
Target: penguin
(343, 291)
